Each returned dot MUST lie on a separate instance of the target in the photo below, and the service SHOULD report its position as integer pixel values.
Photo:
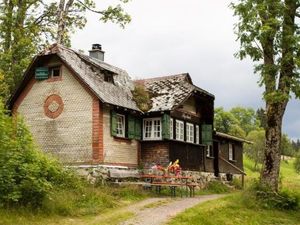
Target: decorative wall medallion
(53, 106)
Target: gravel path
(156, 211)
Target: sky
(169, 37)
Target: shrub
(283, 200)
(26, 174)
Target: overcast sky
(169, 37)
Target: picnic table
(171, 181)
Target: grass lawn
(234, 210)
(101, 206)
(239, 209)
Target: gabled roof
(90, 71)
(167, 92)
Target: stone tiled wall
(117, 151)
(69, 136)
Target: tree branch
(89, 8)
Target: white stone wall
(69, 136)
(117, 150)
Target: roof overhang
(231, 137)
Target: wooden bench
(178, 181)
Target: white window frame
(209, 151)
(120, 130)
(197, 134)
(230, 152)
(179, 130)
(153, 129)
(190, 132)
(171, 128)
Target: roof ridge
(159, 78)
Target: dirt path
(156, 211)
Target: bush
(26, 174)
(297, 163)
(282, 200)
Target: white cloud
(175, 36)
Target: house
(81, 110)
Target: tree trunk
(271, 165)
(63, 10)
(60, 22)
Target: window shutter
(41, 73)
(138, 129)
(113, 125)
(131, 127)
(166, 126)
(206, 134)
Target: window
(179, 130)
(190, 132)
(55, 72)
(197, 134)
(152, 129)
(209, 151)
(171, 129)
(231, 152)
(120, 125)
(108, 78)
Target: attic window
(108, 78)
(55, 71)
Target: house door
(216, 157)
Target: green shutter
(41, 73)
(166, 126)
(131, 127)
(206, 134)
(138, 129)
(113, 124)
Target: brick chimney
(97, 52)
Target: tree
(227, 123)
(246, 117)
(261, 117)
(286, 146)
(70, 15)
(27, 26)
(269, 35)
(255, 151)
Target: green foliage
(237, 209)
(217, 187)
(26, 175)
(246, 117)
(255, 151)
(27, 26)
(297, 163)
(282, 200)
(238, 121)
(142, 98)
(286, 146)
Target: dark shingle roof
(170, 91)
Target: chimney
(97, 52)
